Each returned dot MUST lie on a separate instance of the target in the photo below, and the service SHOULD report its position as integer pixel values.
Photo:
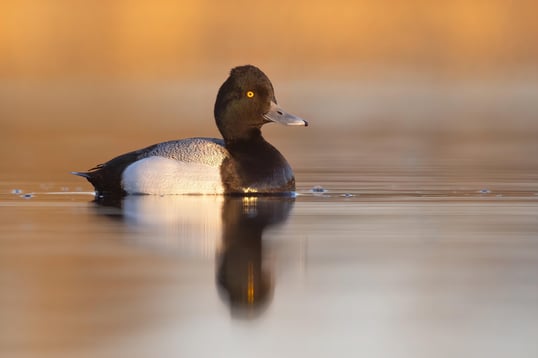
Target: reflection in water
(457, 272)
(242, 277)
(230, 228)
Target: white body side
(163, 176)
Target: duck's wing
(107, 177)
(208, 151)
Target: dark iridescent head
(245, 102)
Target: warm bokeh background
(425, 110)
(51, 39)
(81, 81)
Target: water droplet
(485, 191)
(347, 195)
(16, 191)
(27, 196)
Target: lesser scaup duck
(243, 162)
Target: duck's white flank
(162, 176)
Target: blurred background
(393, 83)
(405, 99)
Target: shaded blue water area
(406, 267)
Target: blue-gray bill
(279, 115)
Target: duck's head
(245, 102)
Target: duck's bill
(278, 115)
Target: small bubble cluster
(318, 189)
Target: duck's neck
(254, 152)
(251, 138)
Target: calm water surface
(380, 270)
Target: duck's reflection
(230, 228)
(244, 281)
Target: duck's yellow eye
(250, 94)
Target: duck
(242, 162)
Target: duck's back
(208, 151)
(175, 167)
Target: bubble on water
(27, 196)
(485, 191)
(16, 191)
(318, 189)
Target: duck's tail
(86, 175)
(105, 179)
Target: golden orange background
(155, 39)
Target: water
(413, 235)
(383, 272)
